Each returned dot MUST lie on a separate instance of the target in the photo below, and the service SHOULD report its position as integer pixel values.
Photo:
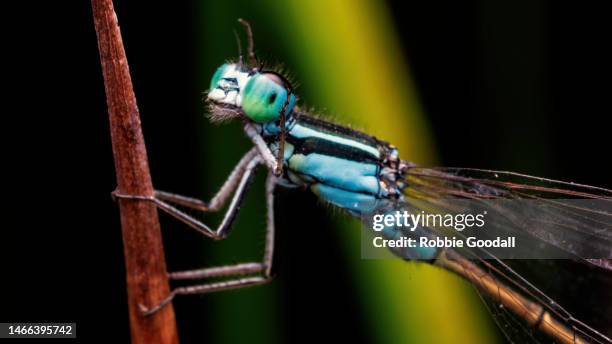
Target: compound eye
(264, 96)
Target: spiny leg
(220, 197)
(230, 215)
(204, 289)
(252, 132)
(268, 258)
(243, 268)
(218, 271)
(239, 269)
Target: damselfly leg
(262, 147)
(240, 179)
(237, 184)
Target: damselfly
(360, 174)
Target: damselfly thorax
(344, 167)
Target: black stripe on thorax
(325, 147)
(337, 130)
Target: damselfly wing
(524, 294)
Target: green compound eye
(263, 98)
(218, 74)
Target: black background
(490, 90)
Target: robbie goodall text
(405, 229)
(454, 242)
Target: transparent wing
(529, 289)
(510, 325)
(569, 217)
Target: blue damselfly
(361, 174)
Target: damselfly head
(259, 96)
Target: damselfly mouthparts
(362, 174)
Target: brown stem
(147, 280)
